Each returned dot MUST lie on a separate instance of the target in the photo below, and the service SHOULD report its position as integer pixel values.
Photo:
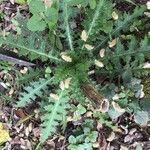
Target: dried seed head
(24, 70)
(112, 43)
(54, 96)
(84, 36)
(48, 3)
(99, 63)
(115, 15)
(65, 57)
(115, 97)
(102, 52)
(148, 5)
(88, 47)
(146, 65)
(65, 84)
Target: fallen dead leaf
(4, 134)
(111, 137)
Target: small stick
(15, 60)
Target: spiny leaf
(27, 46)
(32, 91)
(54, 115)
(66, 19)
(123, 24)
(96, 15)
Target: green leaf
(76, 2)
(141, 117)
(81, 110)
(114, 114)
(92, 4)
(51, 17)
(145, 104)
(91, 137)
(139, 147)
(54, 114)
(124, 23)
(66, 22)
(35, 23)
(32, 91)
(21, 2)
(36, 6)
(26, 47)
(72, 139)
(96, 15)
